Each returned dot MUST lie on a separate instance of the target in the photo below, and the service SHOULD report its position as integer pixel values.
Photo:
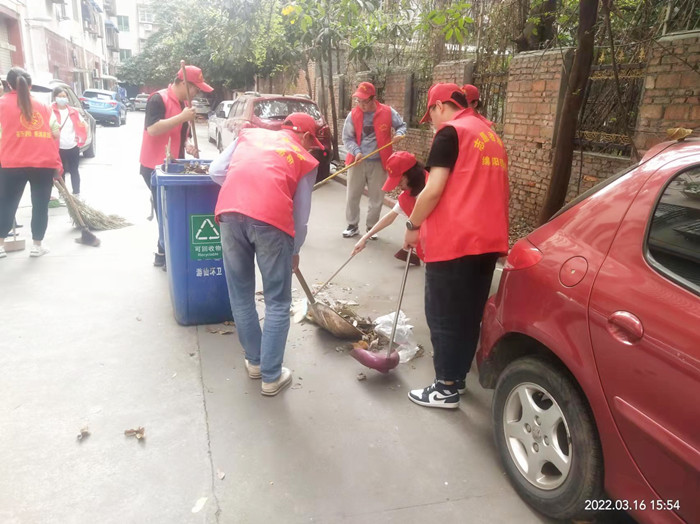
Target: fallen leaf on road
(199, 505)
(220, 474)
(84, 433)
(360, 345)
(229, 323)
(138, 318)
(139, 433)
(361, 376)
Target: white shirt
(68, 139)
(397, 209)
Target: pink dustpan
(387, 362)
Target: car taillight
(112, 103)
(522, 256)
(83, 99)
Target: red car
(592, 344)
(268, 112)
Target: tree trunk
(568, 120)
(308, 78)
(322, 98)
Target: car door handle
(625, 327)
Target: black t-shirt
(155, 111)
(445, 149)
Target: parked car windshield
(280, 109)
(142, 96)
(99, 96)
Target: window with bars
(124, 54)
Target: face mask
(62, 101)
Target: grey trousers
(372, 174)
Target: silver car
(217, 118)
(140, 102)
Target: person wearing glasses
(368, 127)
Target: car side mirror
(85, 105)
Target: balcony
(110, 7)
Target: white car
(140, 102)
(217, 118)
(201, 106)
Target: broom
(87, 217)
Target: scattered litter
(220, 474)
(297, 386)
(299, 310)
(199, 505)
(272, 483)
(191, 354)
(139, 433)
(259, 292)
(361, 377)
(138, 318)
(84, 433)
(408, 349)
(173, 375)
(224, 331)
(229, 323)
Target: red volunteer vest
(382, 129)
(263, 175)
(471, 217)
(407, 203)
(153, 147)
(26, 144)
(78, 126)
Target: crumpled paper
(408, 348)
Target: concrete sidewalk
(89, 338)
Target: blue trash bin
(193, 250)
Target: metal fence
(419, 97)
(682, 15)
(493, 87)
(607, 118)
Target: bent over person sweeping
(263, 208)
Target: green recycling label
(205, 238)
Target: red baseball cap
(302, 123)
(194, 77)
(397, 164)
(443, 93)
(471, 92)
(364, 91)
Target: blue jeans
(243, 239)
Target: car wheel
(219, 145)
(118, 121)
(90, 151)
(124, 119)
(546, 437)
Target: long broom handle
(189, 102)
(70, 202)
(319, 184)
(398, 305)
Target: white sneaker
(272, 388)
(253, 371)
(3, 253)
(38, 251)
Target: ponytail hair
(21, 81)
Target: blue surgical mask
(61, 101)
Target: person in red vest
(166, 115)
(28, 153)
(73, 136)
(366, 128)
(471, 92)
(263, 208)
(405, 172)
(461, 222)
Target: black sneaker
(351, 231)
(159, 260)
(461, 386)
(437, 395)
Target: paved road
(89, 339)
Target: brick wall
(534, 83)
(458, 72)
(596, 168)
(671, 96)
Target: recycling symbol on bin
(207, 231)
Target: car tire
(118, 121)
(124, 119)
(90, 151)
(219, 145)
(541, 419)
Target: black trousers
(71, 159)
(12, 183)
(146, 173)
(455, 295)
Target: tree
(568, 120)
